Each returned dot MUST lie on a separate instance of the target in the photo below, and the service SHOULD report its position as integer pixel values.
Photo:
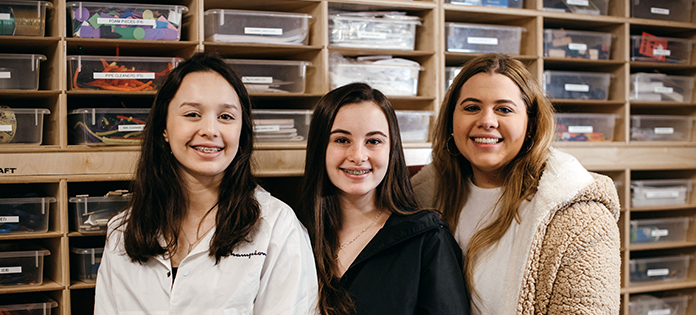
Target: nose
(488, 120)
(357, 154)
(209, 127)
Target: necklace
(190, 245)
(342, 245)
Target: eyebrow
(500, 101)
(194, 104)
(371, 133)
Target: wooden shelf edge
(652, 287)
(655, 246)
(47, 285)
(23, 236)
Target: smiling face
(357, 155)
(489, 125)
(204, 122)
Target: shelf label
(9, 219)
(263, 31)
(664, 90)
(129, 22)
(5, 128)
(660, 11)
(659, 232)
(257, 80)
(5, 16)
(372, 35)
(576, 46)
(663, 130)
(580, 129)
(662, 52)
(580, 3)
(124, 75)
(266, 128)
(6, 270)
(661, 194)
(663, 311)
(5, 75)
(658, 272)
(577, 87)
(482, 40)
(127, 128)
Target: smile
(487, 140)
(356, 172)
(207, 149)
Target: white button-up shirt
(274, 274)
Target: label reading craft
(482, 40)
(9, 219)
(130, 22)
(577, 87)
(124, 75)
(263, 31)
(7, 170)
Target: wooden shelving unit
(62, 170)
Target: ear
(166, 138)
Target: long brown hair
(521, 174)
(319, 210)
(158, 205)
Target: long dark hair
(158, 205)
(319, 210)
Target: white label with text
(662, 52)
(6, 128)
(5, 16)
(124, 75)
(9, 219)
(482, 40)
(5, 75)
(659, 232)
(266, 128)
(130, 22)
(661, 194)
(577, 87)
(663, 311)
(660, 11)
(6, 270)
(663, 130)
(263, 31)
(664, 90)
(658, 272)
(372, 35)
(127, 128)
(576, 46)
(257, 80)
(580, 3)
(580, 129)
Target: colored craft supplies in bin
(241, 26)
(584, 127)
(559, 43)
(21, 125)
(99, 126)
(651, 48)
(125, 20)
(23, 18)
(125, 74)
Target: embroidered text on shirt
(255, 253)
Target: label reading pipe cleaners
(124, 75)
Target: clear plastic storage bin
(450, 74)
(124, 20)
(392, 77)
(272, 76)
(491, 3)
(645, 304)
(577, 85)
(20, 71)
(659, 269)
(10, 304)
(661, 128)
(594, 7)
(92, 126)
(25, 215)
(126, 74)
(577, 44)
(262, 27)
(666, 10)
(659, 87)
(479, 38)
(21, 125)
(23, 18)
(584, 127)
(86, 263)
(378, 30)
(660, 192)
(281, 125)
(659, 230)
(414, 125)
(91, 214)
(649, 48)
(21, 266)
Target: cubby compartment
(25, 215)
(577, 85)
(660, 192)
(86, 263)
(650, 48)
(125, 21)
(374, 30)
(21, 125)
(271, 76)
(594, 7)
(262, 27)
(23, 18)
(391, 76)
(662, 230)
(414, 125)
(125, 74)
(646, 304)
(584, 127)
(665, 10)
(660, 87)
(91, 214)
(27, 304)
(20, 71)
(481, 38)
(559, 43)
(20, 265)
(281, 125)
(661, 127)
(112, 126)
(659, 269)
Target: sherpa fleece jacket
(570, 251)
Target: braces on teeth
(356, 172)
(208, 150)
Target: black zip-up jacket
(413, 265)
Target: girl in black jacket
(376, 253)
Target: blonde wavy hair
(521, 174)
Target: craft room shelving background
(62, 170)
